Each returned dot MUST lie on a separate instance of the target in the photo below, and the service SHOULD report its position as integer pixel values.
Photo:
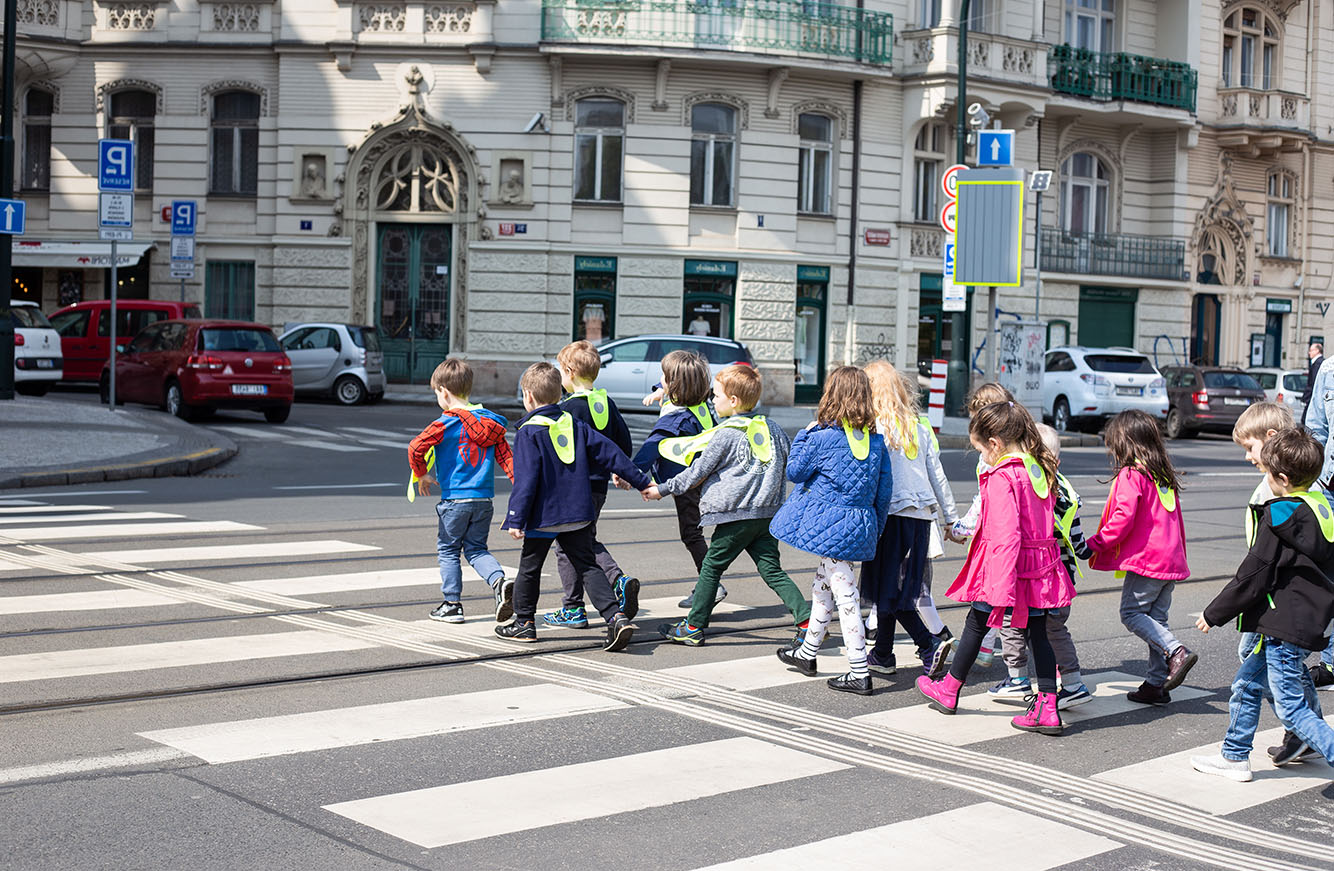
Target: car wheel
(1174, 427)
(29, 389)
(278, 414)
(349, 390)
(374, 398)
(1060, 415)
(104, 391)
(173, 402)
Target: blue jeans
(1276, 671)
(1144, 604)
(1327, 655)
(463, 529)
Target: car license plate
(44, 364)
(1236, 400)
(1130, 391)
(250, 389)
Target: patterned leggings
(835, 591)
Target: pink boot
(943, 693)
(1041, 716)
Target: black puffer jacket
(1283, 589)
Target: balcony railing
(819, 29)
(1121, 76)
(1123, 254)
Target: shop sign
(1278, 306)
(876, 237)
(595, 264)
(717, 268)
(813, 274)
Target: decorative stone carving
(925, 242)
(236, 17)
(923, 50)
(44, 13)
(818, 107)
(51, 88)
(1288, 109)
(131, 16)
(206, 94)
(1017, 59)
(1255, 105)
(512, 188)
(626, 97)
(128, 85)
(741, 106)
(450, 18)
(594, 22)
(979, 53)
(1229, 106)
(382, 17)
(1223, 232)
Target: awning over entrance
(77, 255)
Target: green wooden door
(1107, 317)
(412, 297)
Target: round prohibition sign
(949, 217)
(949, 180)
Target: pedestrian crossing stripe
(225, 552)
(8, 520)
(40, 508)
(123, 530)
(472, 810)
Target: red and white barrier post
(935, 410)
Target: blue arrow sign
(13, 217)
(115, 165)
(183, 217)
(948, 265)
(995, 148)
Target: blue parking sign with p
(115, 165)
(182, 217)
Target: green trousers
(725, 545)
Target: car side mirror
(606, 359)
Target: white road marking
(79, 494)
(342, 583)
(128, 759)
(368, 724)
(326, 445)
(376, 433)
(12, 504)
(254, 432)
(39, 508)
(94, 600)
(220, 552)
(467, 811)
(19, 519)
(305, 431)
(965, 837)
(56, 664)
(341, 486)
(1172, 777)
(643, 512)
(762, 672)
(126, 530)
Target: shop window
(38, 106)
(710, 293)
(808, 352)
(1278, 224)
(131, 281)
(234, 132)
(131, 117)
(815, 165)
(594, 299)
(229, 289)
(27, 284)
(599, 146)
(712, 155)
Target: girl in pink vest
(1013, 575)
(1143, 540)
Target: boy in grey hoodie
(741, 464)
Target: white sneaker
(1238, 771)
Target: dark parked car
(192, 367)
(1207, 398)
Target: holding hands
(650, 493)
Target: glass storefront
(710, 295)
(595, 299)
(808, 353)
(943, 335)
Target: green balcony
(1121, 76)
(784, 27)
(1123, 254)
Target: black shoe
(940, 661)
(944, 634)
(619, 632)
(1178, 665)
(518, 630)
(504, 599)
(846, 683)
(1293, 749)
(1322, 675)
(448, 612)
(789, 656)
(1148, 694)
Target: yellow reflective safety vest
(1065, 521)
(1037, 476)
(926, 422)
(684, 449)
(412, 484)
(561, 431)
(598, 406)
(701, 413)
(859, 440)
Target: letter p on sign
(115, 165)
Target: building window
(599, 147)
(712, 155)
(1090, 24)
(594, 299)
(928, 163)
(982, 16)
(1279, 223)
(1250, 49)
(928, 13)
(131, 118)
(38, 106)
(229, 289)
(1084, 195)
(235, 130)
(815, 167)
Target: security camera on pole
(115, 220)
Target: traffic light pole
(7, 191)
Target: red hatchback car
(85, 330)
(193, 367)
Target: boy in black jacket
(579, 364)
(553, 502)
(1283, 592)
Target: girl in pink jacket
(1142, 539)
(1013, 574)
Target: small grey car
(342, 360)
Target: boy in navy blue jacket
(579, 364)
(553, 502)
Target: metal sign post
(1038, 182)
(115, 221)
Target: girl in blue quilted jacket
(836, 512)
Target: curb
(165, 467)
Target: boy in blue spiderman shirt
(552, 501)
(468, 441)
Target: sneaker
(504, 599)
(682, 633)
(567, 618)
(1217, 765)
(619, 632)
(880, 666)
(688, 601)
(1148, 694)
(518, 630)
(846, 683)
(940, 659)
(448, 612)
(627, 595)
(1293, 749)
(1073, 697)
(1011, 690)
(789, 656)
(1178, 665)
(985, 657)
(1322, 675)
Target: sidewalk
(51, 442)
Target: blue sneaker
(627, 595)
(1011, 690)
(878, 665)
(682, 633)
(568, 618)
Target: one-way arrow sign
(995, 148)
(15, 219)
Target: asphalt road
(253, 682)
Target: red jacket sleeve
(505, 457)
(425, 440)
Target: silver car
(1284, 386)
(343, 360)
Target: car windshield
(28, 316)
(1266, 380)
(365, 337)
(1126, 364)
(237, 339)
(1239, 380)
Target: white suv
(1088, 385)
(37, 356)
